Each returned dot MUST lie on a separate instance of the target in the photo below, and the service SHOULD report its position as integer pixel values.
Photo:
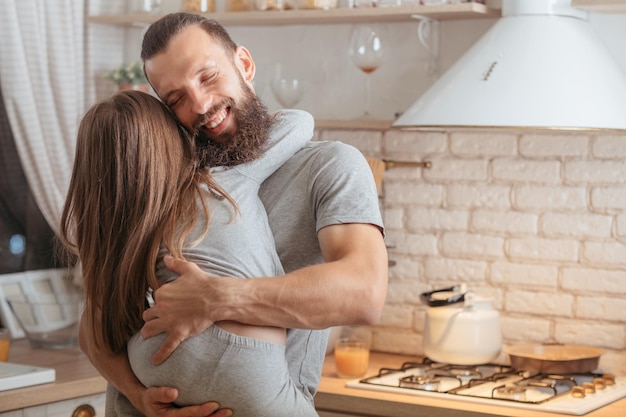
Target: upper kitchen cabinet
(470, 10)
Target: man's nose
(200, 101)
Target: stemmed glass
(287, 87)
(366, 52)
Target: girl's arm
(292, 131)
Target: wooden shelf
(603, 6)
(353, 124)
(317, 16)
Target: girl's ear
(245, 63)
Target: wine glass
(366, 52)
(287, 87)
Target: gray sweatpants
(247, 375)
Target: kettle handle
(426, 297)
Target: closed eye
(208, 77)
(174, 101)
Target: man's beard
(246, 144)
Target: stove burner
(461, 371)
(416, 367)
(426, 383)
(509, 393)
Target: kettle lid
(445, 296)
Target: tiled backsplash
(535, 220)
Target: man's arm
(154, 401)
(349, 288)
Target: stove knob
(589, 387)
(609, 379)
(600, 383)
(578, 392)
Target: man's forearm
(349, 288)
(295, 303)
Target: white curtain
(42, 73)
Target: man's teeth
(218, 118)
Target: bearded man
(322, 207)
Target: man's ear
(245, 63)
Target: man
(322, 206)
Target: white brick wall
(535, 221)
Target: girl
(137, 194)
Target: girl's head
(130, 150)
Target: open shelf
(603, 6)
(353, 124)
(317, 16)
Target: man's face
(200, 82)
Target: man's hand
(159, 402)
(178, 311)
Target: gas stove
(501, 385)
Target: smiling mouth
(216, 121)
(217, 118)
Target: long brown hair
(135, 185)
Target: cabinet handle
(84, 410)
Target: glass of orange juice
(5, 343)
(352, 351)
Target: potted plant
(129, 77)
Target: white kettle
(461, 328)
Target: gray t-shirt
(242, 245)
(325, 183)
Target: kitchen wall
(319, 53)
(536, 221)
(334, 86)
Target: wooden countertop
(76, 377)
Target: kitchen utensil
(554, 358)
(49, 319)
(5, 344)
(287, 87)
(366, 53)
(352, 351)
(15, 375)
(378, 169)
(150, 6)
(198, 6)
(461, 328)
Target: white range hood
(541, 66)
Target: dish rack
(28, 285)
